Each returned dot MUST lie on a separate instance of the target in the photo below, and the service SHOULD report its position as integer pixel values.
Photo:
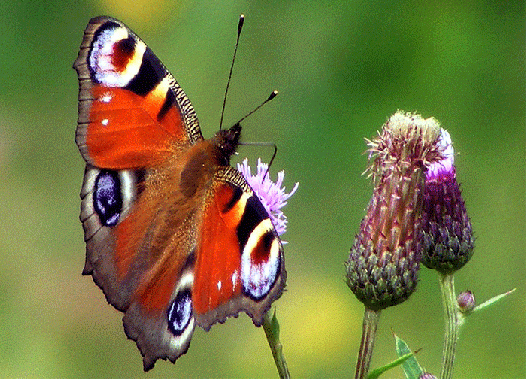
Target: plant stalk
(271, 327)
(369, 327)
(453, 321)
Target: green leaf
(412, 369)
(378, 371)
(271, 324)
(493, 300)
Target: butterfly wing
(131, 109)
(133, 116)
(240, 264)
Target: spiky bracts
(383, 264)
(447, 234)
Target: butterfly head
(227, 141)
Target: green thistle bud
(447, 234)
(383, 264)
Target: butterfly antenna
(271, 160)
(272, 95)
(264, 144)
(239, 28)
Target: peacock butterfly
(175, 236)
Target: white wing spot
(105, 122)
(219, 285)
(102, 54)
(106, 99)
(259, 277)
(235, 275)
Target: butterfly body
(175, 237)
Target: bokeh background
(341, 68)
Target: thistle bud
(427, 375)
(383, 264)
(466, 302)
(447, 234)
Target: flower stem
(370, 324)
(271, 327)
(454, 320)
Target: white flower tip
(447, 164)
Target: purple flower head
(271, 194)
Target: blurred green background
(341, 68)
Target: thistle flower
(271, 194)
(383, 264)
(447, 234)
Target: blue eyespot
(107, 197)
(180, 312)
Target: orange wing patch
(124, 131)
(217, 272)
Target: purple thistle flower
(383, 264)
(447, 234)
(271, 194)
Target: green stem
(454, 320)
(370, 324)
(271, 327)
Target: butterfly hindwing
(166, 333)
(107, 198)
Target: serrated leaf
(412, 369)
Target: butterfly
(175, 237)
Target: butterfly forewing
(131, 109)
(240, 263)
